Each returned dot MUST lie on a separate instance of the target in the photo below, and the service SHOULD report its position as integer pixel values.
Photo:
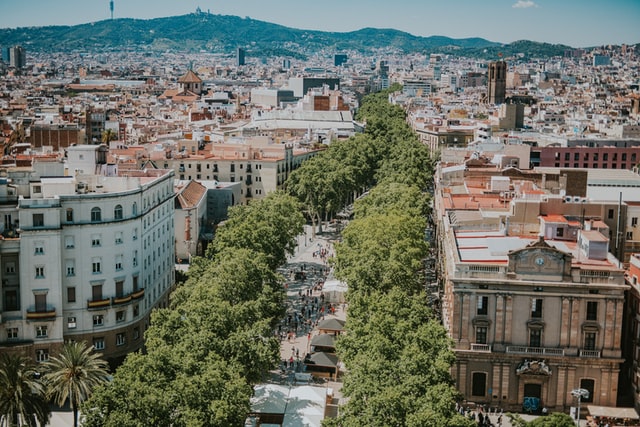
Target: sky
(577, 23)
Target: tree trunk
(75, 414)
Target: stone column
(570, 384)
(561, 393)
(565, 322)
(499, 323)
(575, 333)
(462, 378)
(508, 319)
(496, 380)
(609, 323)
(506, 377)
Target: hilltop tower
(111, 8)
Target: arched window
(117, 212)
(96, 215)
(134, 209)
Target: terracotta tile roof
(190, 77)
(190, 195)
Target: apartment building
(258, 164)
(90, 257)
(532, 297)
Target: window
(41, 331)
(136, 310)
(10, 268)
(117, 212)
(120, 339)
(11, 300)
(481, 335)
(98, 319)
(566, 156)
(135, 234)
(71, 267)
(135, 283)
(634, 221)
(592, 310)
(96, 292)
(96, 265)
(71, 294)
(483, 303)
(41, 302)
(96, 240)
(71, 322)
(69, 215)
(478, 384)
(589, 340)
(96, 215)
(605, 157)
(119, 239)
(134, 261)
(42, 355)
(69, 242)
(98, 343)
(134, 209)
(535, 337)
(120, 316)
(136, 333)
(536, 308)
(37, 189)
(610, 214)
(118, 262)
(629, 235)
(559, 232)
(39, 248)
(12, 333)
(40, 272)
(38, 220)
(119, 288)
(589, 385)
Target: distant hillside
(222, 34)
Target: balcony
(98, 303)
(591, 354)
(121, 300)
(485, 348)
(41, 313)
(537, 351)
(137, 294)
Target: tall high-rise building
(497, 82)
(340, 59)
(17, 57)
(240, 60)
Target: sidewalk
(305, 272)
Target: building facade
(533, 300)
(95, 254)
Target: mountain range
(197, 32)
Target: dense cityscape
(337, 237)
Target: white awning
(613, 412)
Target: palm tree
(22, 395)
(73, 374)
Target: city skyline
(571, 22)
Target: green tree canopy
(23, 399)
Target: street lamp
(580, 394)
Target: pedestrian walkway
(305, 273)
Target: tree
(553, 420)
(73, 375)
(23, 399)
(393, 198)
(268, 226)
(381, 251)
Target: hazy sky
(578, 23)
